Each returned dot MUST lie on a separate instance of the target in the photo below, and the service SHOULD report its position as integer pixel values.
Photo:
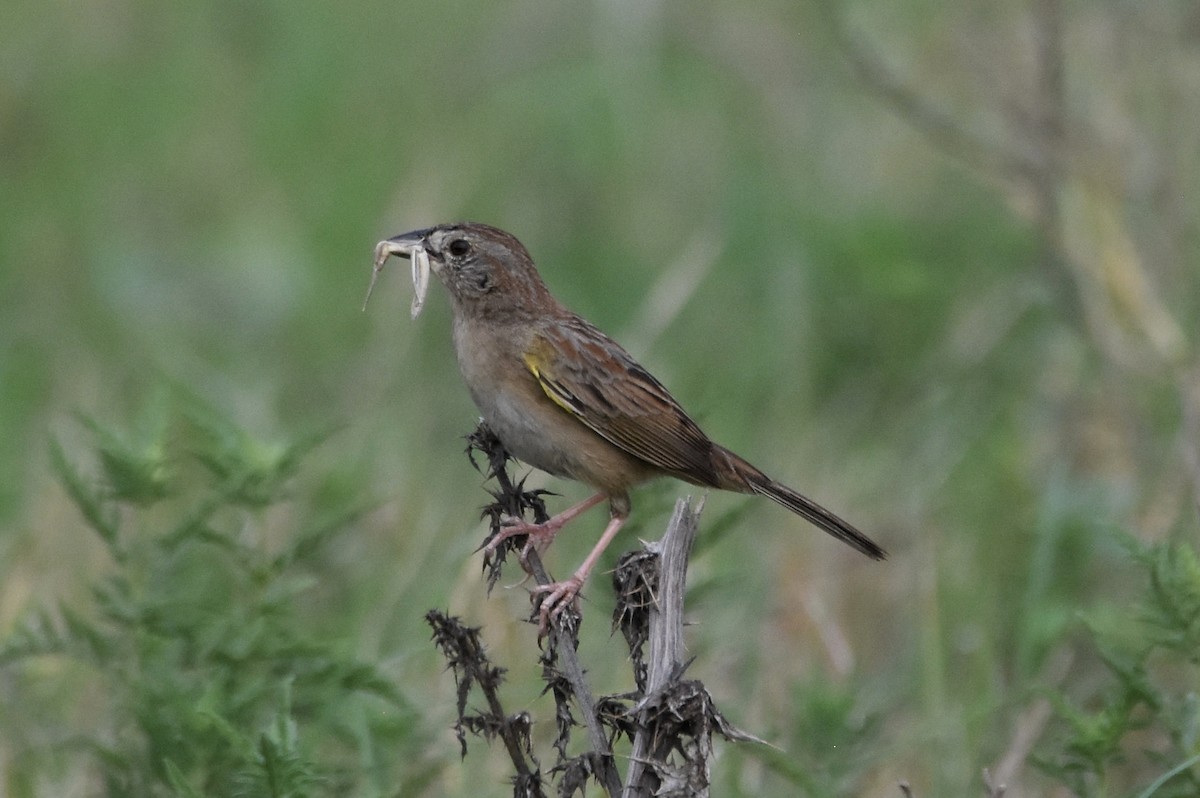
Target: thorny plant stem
(564, 639)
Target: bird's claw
(539, 536)
(555, 599)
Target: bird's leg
(559, 595)
(540, 535)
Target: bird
(567, 399)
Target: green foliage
(831, 744)
(1172, 607)
(1146, 717)
(195, 188)
(208, 667)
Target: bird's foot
(556, 598)
(538, 536)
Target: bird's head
(486, 270)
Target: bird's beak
(403, 245)
(411, 246)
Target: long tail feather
(754, 481)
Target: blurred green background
(934, 264)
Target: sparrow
(567, 399)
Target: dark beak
(403, 244)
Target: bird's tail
(741, 476)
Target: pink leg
(562, 594)
(543, 533)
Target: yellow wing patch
(559, 395)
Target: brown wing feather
(588, 374)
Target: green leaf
(101, 518)
(136, 470)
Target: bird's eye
(459, 247)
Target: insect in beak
(411, 246)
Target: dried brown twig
(673, 719)
(668, 721)
(461, 646)
(561, 668)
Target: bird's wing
(590, 376)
